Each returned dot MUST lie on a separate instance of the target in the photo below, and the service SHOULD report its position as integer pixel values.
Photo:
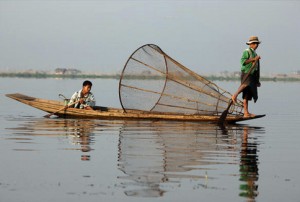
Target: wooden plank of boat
(100, 112)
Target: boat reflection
(155, 155)
(80, 132)
(77, 131)
(159, 157)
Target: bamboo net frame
(152, 81)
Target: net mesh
(152, 81)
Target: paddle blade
(223, 116)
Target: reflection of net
(153, 81)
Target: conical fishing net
(154, 82)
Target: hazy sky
(205, 36)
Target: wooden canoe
(99, 112)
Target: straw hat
(253, 39)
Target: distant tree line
(47, 75)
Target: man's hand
(81, 101)
(258, 84)
(257, 58)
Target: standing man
(249, 86)
(84, 98)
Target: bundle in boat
(152, 81)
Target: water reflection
(248, 166)
(154, 156)
(81, 133)
(160, 157)
(77, 131)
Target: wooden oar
(65, 107)
(224, 114)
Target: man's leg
(246, 112)
(241, 88)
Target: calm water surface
(99, 160)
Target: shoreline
(117, 76)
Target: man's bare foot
(234, 99)
(88, 108)
(249, 115)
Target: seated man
(84, 98)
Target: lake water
(104, 160)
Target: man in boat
(249, 84)
(84, 98)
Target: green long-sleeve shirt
(247, 54)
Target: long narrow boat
(154, 86)
(52, 106)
